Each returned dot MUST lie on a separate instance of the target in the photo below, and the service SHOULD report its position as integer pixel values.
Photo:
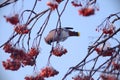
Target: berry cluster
(13, 19)
(116, 66)
(108, 77)
(108, 28)
(104, 53)
(48, 72)
(59, 50)
(105, 50)
(78, 77)
(85, 8)
(86, 11)
(34, 78)
(53, 4)
(76, 3)
(11, 64)
(21, 29)
(19, 57)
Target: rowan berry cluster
(86, 11)
(18, 27)
(11, 64)
(21, 29)
(110, 30)
(78, 77)
(48, 71)
(105, 49)
(108, 77)
(58, 50)
(107, 28)
(53, 4)
(86, 8)
(76, 3)
(34, 78)
(104, 53)
(19, 57)
(116, 66)
(14, 20)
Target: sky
(76, 46)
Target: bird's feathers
(60, 34)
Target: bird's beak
(49, 42)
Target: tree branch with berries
(24, 44)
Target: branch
(6, 3)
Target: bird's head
(48, 41)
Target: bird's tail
(73, 33)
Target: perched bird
(60, 34)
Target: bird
(60, 35)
